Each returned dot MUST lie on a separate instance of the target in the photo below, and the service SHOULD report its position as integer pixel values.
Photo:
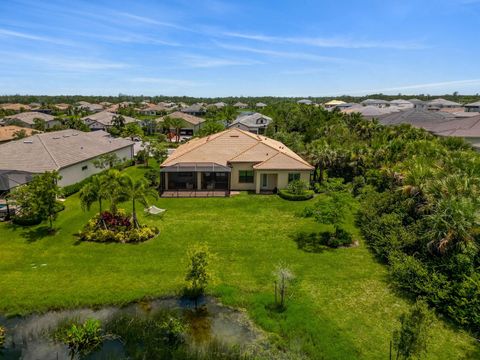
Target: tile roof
(235, 145)
(106, 117)
(252, 120)
(194, 120)
(29, 117)
(15, 107)
(8, 132)
(55, 150)
(474, 104)
(442, 102)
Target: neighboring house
(473, 107)
(233, 160)
(195, 110)
(152, 109)
(70, 152)
(375, 102)
(90, 107)
(260, 105)
(62, 106)
(15, 107)
(240, 105)
(191, 124)
(402, 104)
(348, 106)
(253, 122)
(104, 120)
(333, 104)
(8, 133)
(438, 104)
(418, 104)
(368, 112)
(219, 105)
(27, 119)
(305, 102)
(438, 123)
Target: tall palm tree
(322, 155)
(111, 183)
(176, 124)
(136, 190)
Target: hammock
(154, 210)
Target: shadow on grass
(37, 233)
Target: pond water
(29, 337)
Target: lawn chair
(153, 210)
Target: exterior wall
(52, 123)
(74, 173)
(282, 177)
(235, 184)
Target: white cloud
(442, 84)
(166, 81)
(196, 61)
(282, 54)
(329, 42)
(22, 35)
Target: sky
(239, 48)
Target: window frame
(293, 177)
(246, 177)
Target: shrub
(319, 241)
(32, 219)
(297, 187)
(287, 195)
(74, 188)
(81, 339)
(2, 336)
(330, 185)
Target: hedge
(74, 188)
(287, 195)
(35, 220)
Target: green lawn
(342, 306)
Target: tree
(198, 272)
(176, 124)
(322, 156)
(210, 127)
(92, 192)
(112, 186)
(410, 341)
(136, 190)
(105, 161)
(132, 130)
(332, 210)
(118, 125)
(20, 134)
(283, 279)
(39, 124)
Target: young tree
(333, 210)
(20, 134)
(136, 190)
(411, 340)
(112, 186)
(44, 192)
(198, 272)
(39, 124)
(283, 279)
(132, 130)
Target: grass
(342, 306)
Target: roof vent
(27, 141)
(75, 134)
(56, 137)
(66, 136)
(234, 136)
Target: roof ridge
(48, 151)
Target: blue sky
(232, 48)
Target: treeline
(419, 196)
(251, 101)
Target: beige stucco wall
(74, 173)
(234, 183)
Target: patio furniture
(153, 210)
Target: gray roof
(401, 102)
(195, 108)
(442, 102)
(29, 117)
(55, 150)
(255, 120)
(416, 101)
(105, 118)
(90, 106)
(374, 102)
(462, 127)
(260, 104)
(474, 104)
(305, 101)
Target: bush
(74, 188)
(287, 195)
(31, 220)
(318, 241)
(81, 339)
(297, 187)
(109, 227)
(330, 185)
(2, 336)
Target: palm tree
(111, 183)
(92, 192)
(322, 155)
(136, 190)
(176, 124)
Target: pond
(30, 337)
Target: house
(438, 104)
(8, 133)
(219, 105)
(104, 120)
(240, 105)
(375, 102)
(368, 112)
(305, 102)
(28, 119)
(152, 109)
(70, 152)
(418, 104)
(15, 107)
(260, 105)
(253, 122)
(473, 107)
(333, 104)
(62, 106)
(402, 104)
(195, 110)
(232, 160)
(191, 124)
(90, 107)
